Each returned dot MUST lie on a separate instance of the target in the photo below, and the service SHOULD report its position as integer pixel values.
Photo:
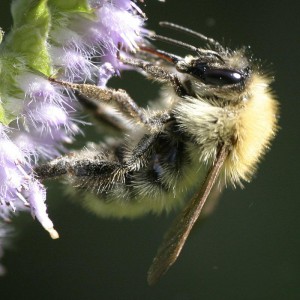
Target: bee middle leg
(104, 113)
(126, 104)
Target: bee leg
(91, 168)
(120, 97)
(104, 113)
(56, 168)
(126, 104)
(78, 166)
(158, 73)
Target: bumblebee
(217, 118)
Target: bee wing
(177, 234)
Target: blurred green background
(248, 249)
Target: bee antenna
(211, 41)
(187, 46)
(174, 42)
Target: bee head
(215, 71)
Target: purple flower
(117, 22)
(36, 199)
(19, 190)
(48, 117)
(83, 50)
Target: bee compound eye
(215, 76)
(221, 77)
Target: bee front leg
(158, 73)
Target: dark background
(248, 249)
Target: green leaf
(30, 32)
(71, 5)
(25, 48)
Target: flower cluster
(76, 41)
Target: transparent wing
(176, 236)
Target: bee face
(214, 71)
(223, 75)
(220, 73)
